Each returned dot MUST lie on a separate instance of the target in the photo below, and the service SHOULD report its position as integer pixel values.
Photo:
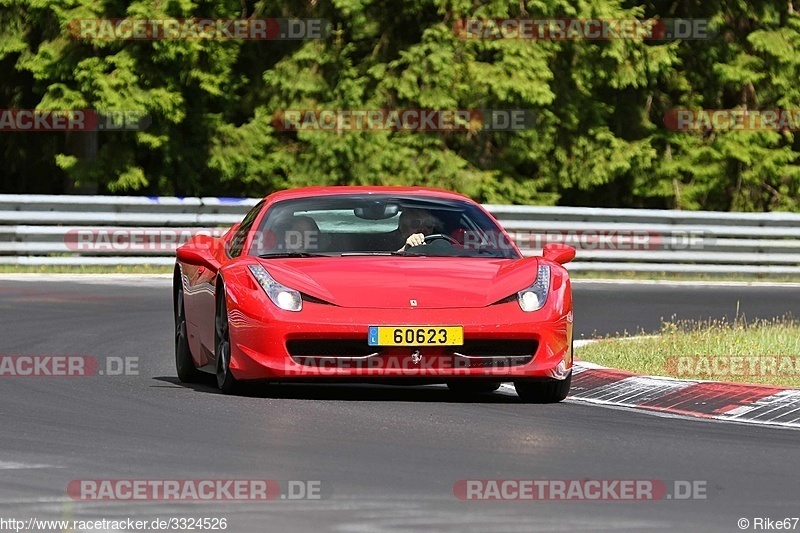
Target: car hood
(393, 282)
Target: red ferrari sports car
(397, 285)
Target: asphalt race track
(387, 457)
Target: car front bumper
(323, 341)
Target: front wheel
(550, 391)
(222, 347)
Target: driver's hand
(415, 240)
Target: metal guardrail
(46, 230)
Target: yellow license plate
(416, 336)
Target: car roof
(308, 192)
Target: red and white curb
(729, 402)
(711, 400)
(725, 402)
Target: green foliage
(599, 138)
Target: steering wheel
(435, 236)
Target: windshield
(379, 225)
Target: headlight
(534, 297)
(284, 297)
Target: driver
(414, 225)
(301, 233)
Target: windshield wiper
(479, 253)
(414, 253)
(350, 254)
(291, 254)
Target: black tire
(222, 347)
(473, 387)
(184, 363)
(550, 391)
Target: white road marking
(93, 279)
(12, 465)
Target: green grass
(99, 269)
(765, 352)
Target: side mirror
(198, 252)
(559, 253)
(193, 256)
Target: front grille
(329, 348)
(497, 348)
(495, 362)
(478, 353)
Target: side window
(236, 243)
